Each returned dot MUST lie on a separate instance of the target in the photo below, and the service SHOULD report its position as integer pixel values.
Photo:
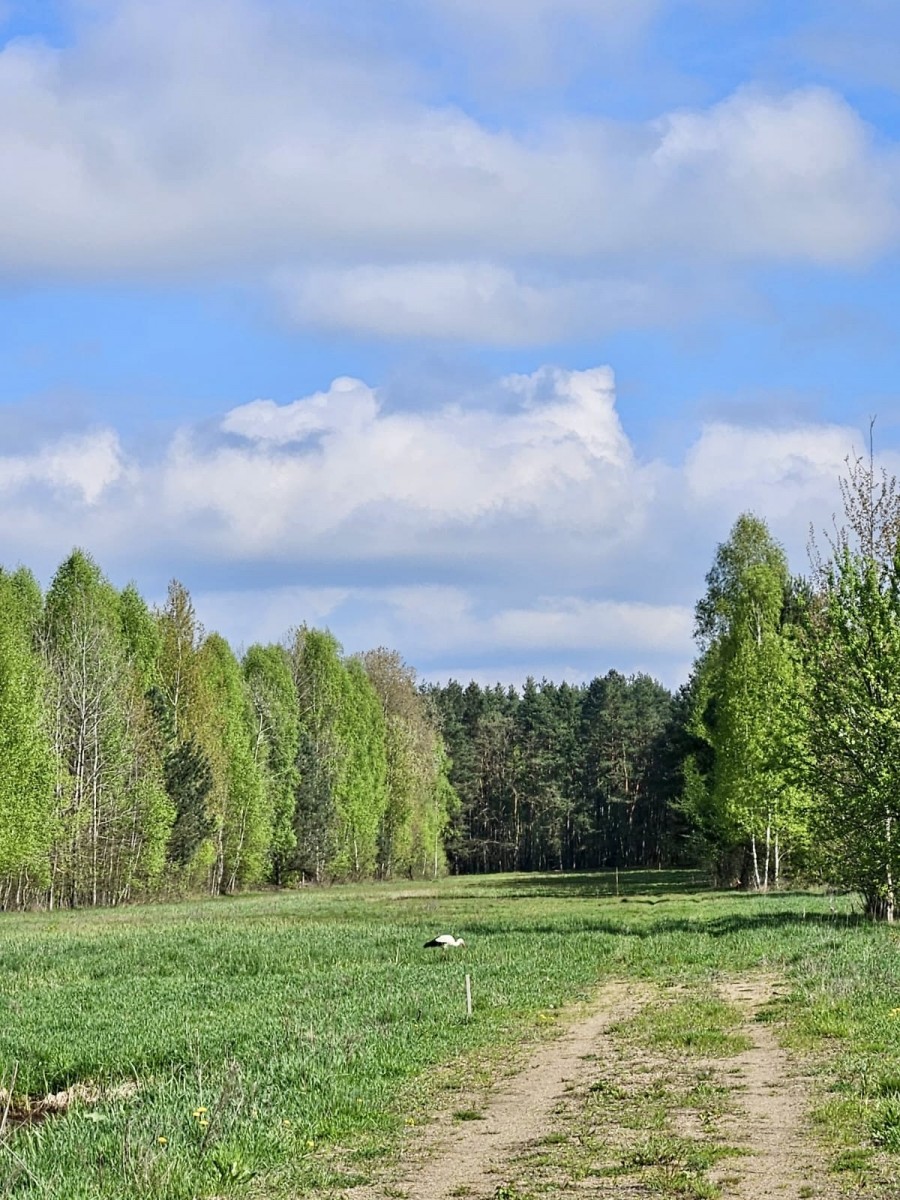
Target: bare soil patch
(771, 1122)
(19, 1110)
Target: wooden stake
(468, 996)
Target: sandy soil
(781, 1163)
(464, 1157)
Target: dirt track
(767, 1121)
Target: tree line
(139, 755)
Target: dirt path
(566, 1090)
(780, 1162)
(472, 1152)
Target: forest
(141, 758)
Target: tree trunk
(756, 877)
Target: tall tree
(318, 675)
(361, 785)
(27, 766)
(751, 685)
(276, 746)
(238, 802)
(112, 810)
(183, 707)
(419, 795)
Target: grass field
(272, 1044)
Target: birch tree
(754, 689)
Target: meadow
(274, 1044)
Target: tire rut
(780, 1162)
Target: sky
(462, 327)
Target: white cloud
(476, 302)
(447, 619)
(521, 527)
(389, 482)
(774, 471)
(448, 623)
(598, 624)
(186, 139)
(797, 176)
(85, 465)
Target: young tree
(419, 796)
(183, 708)
(318, 675)
(361, 786)
(238, 803)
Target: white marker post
(468, 997)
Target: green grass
(693, 1024)
(310, 1026)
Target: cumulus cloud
(774, 471)
(796, 174)
(519, 527)
(339, 474)
(226, 138)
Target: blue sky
(466, 327)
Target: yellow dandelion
(310, 1145)
(203, 1124)
(895, 1012)
(286, 1123)
(198, 1112)
(163, 1141)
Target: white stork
(445, 941)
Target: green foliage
(561, 776)
(238, 803)
(855, 654)
(318, 678)
(854, 651)
(27, 764)
(360, 793)
(141, 636)
(276, 746)
(419, 798)
(750, 691)
(188, 779)
(112, 815)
